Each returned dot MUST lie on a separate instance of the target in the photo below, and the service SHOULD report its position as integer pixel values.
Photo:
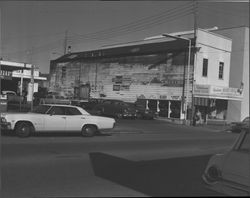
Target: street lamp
(188, 69)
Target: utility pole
(32, 85)
(195, 61)
(65, 42)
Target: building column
(182, 114)
(158, 106)
(169, 110)
(147, 105)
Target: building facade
(239, 70)
(155, 71)
(17, 77)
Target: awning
(217, 92)
(201, 101)
(7, 67)
(11, 66)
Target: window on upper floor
(205, 67)
(221, 69)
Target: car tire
(23, 129)
(213, 174)
(89, 131)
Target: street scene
(124, 99)
(149, 158)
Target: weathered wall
(158, 76)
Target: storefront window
(221, 68)
(218, 109)
(175, 108)
(163, 106)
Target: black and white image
(124, 98)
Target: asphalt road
(139, 158)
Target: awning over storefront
(201, 101)
(7, 67)
(11, 66)
(218, 92)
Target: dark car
(237, 126)
(114, 108)
(142, 112)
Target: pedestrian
(198, 117)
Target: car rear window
(72, 111)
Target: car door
(107, 108)
(55, 119)
(236, 168)
(74, 119)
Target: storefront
(165, 106)
(211, 102)
(16, 77)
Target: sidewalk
(212, 126)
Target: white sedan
(59, 118)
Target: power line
(222, 11)
(139, 28)
(32, 36)
(144, 21)
(111, 32)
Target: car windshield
(41, 109)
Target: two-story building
(155, 71)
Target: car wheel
(89, 131)
(23, 129)
(213, 174)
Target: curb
(127, 131)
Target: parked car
(12, 97)
(115, 108)
(237, 126)
(229, 173)
(90, 104)
(142, 112)
(55, 118)
(9, 93)
(55, 98)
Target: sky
(35, 31)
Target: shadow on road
(166, 177)
(52, 134)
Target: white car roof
(62, 105)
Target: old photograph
(124, 98)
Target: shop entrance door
(84, 91)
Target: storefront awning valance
(218, 92)
(11, 66)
